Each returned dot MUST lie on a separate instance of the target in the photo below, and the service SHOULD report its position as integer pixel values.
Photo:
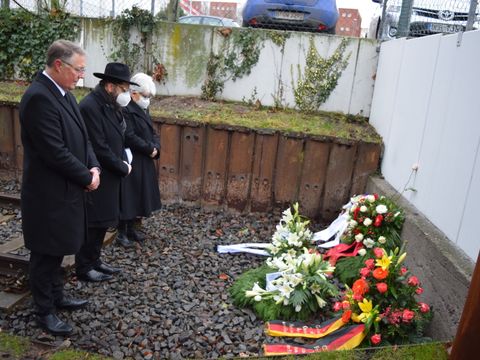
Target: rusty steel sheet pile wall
(239, 168)
(250, 170)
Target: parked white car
(428, 17)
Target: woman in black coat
(140, 193)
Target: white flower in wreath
(285, 290)
(358, 237)
(298, 308)
(258, 298)
(381, 209)
(287, 216)
(363, 208)
(321, 303)
(362, 252)
(368, 243)
(367, 222)
(352, 223)
(292, 239)
(353, 208)
(371, 198)
(382, 239)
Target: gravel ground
(171, 301)
(10, 229)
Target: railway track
(14, 258)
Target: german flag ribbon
(346, 338)
(342, 250)
(300, 329)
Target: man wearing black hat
(102, 112)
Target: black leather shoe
(107, 269)
(52, 324)
(71, 304)
(94, 276)
(122, 240)
(135, 235)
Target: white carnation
(362, 252)
(367, 222)
(371, 198)
(382, 240)
(363, 208)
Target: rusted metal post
(465, 344)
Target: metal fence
(391, 19)
(414, 18)
(91, 8)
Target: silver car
(428, 17)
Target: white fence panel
(434, 123)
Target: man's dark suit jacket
(56, 163)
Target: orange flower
(360, 287)
(380, 274)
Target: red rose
(378, 252)
(424, 308)
(380, 274)
(375, 196)
(403, 270)
(337, 306)
(382, 287)
(407, 315)
(355, 213)
(370, 263)
(413, 281)
(419, 291)
(346, 316)
(376, 339)
(365, 271)
(378, 220)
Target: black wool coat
(140, 192)
(56, 162)
(106, 129)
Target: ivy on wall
(25, 37)
(238, 54)
(127, 51)
(320, 77)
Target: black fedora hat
(116, 72)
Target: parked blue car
(306, 15)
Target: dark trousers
(46, 281)
(89, 255)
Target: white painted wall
(426, 106)
(184, 50)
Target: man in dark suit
(59, 167)
(102, 112)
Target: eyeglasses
(78, 70)
(122, 88)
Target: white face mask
(123, 99)
(143, 102)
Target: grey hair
(145, 82)
(63, 50)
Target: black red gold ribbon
(346, 338)
(300, 329)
